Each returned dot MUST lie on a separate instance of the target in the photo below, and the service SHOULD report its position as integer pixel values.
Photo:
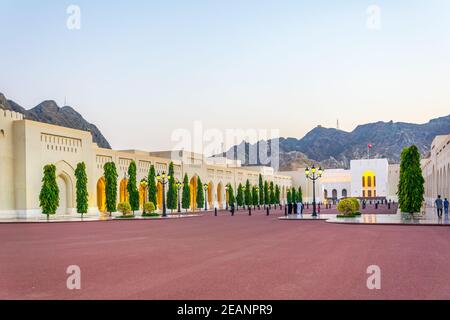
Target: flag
(370, 146)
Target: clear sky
(141, 69)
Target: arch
(142, 196)
(325, 194)
(123, 190)
(344, 193)
(334, 194)
(210, 194)
(101, 195)
(65, 177)
(220, 195)
(193, 190)
(159, 196)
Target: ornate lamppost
(205, 187)
(179, 186)
(314, 174)
(163, 179)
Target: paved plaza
(223, 257)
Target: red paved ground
(223, 257)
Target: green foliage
(248, 194)
(273, 200)
(266, 193)
(200, 194)
(81, 186)
(293, 195)
(149, 207)
(348, 206)
(231, 198)
(110, 174)
(411, 184)
(300, 195)
(186, 197)
(152, 189)
(49, 195)
(261, 190)
(240, 196)
(277, 195)
(255, 196)
(124, 208)
(289, 197)
(133, 192)
(172, 189)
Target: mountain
(333, 148)
(49, 112)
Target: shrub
(348, 206)
(124, 208)
(149, 207)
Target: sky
(142, 70)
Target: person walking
(446, 207)
(439, 204)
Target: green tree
(288, 197)
(200, 194)
(133, 192)
(49, 195)
(231, 198)
(152, 189)
(240, 196)
(261, 190)
(300, 195)
(110, 173)
(248, 194)
(272, 193)
(293, 195)
(255, 195)
(266, 193)
(411, 184)
(172, 189)
(81, 186)
(277, 194)
(186, 198)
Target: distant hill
(49, 112)
(335, 148)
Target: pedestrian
(318, 209)
(301, 208)
(446, 207)
(438, 203)
(295, 208)
(289, 208)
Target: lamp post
(314, 174)
(243, 196)
(179, 186)
(143, 185)
(205, 187)
(227, 188)
(163, 179)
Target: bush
(149, 207)
(124, 208)
(348, 206)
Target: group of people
(295, 208)
(441, 205)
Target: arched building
(27, 146)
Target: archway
(334, 194)
(123, 190)
(210, 194)
(369, 184)
(101, 195)
(325, 194)
(159, 196)
(142, 196)
(219, 195)
(193, 190)
(65, 194)
(344, 193)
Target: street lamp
(205, 187)
(179, 186)
(228, 188)
(143, 185)
(163, 179)
(243, 196)
(257, 192)
(314, 174)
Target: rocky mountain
(335, 148)
(49, 112)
